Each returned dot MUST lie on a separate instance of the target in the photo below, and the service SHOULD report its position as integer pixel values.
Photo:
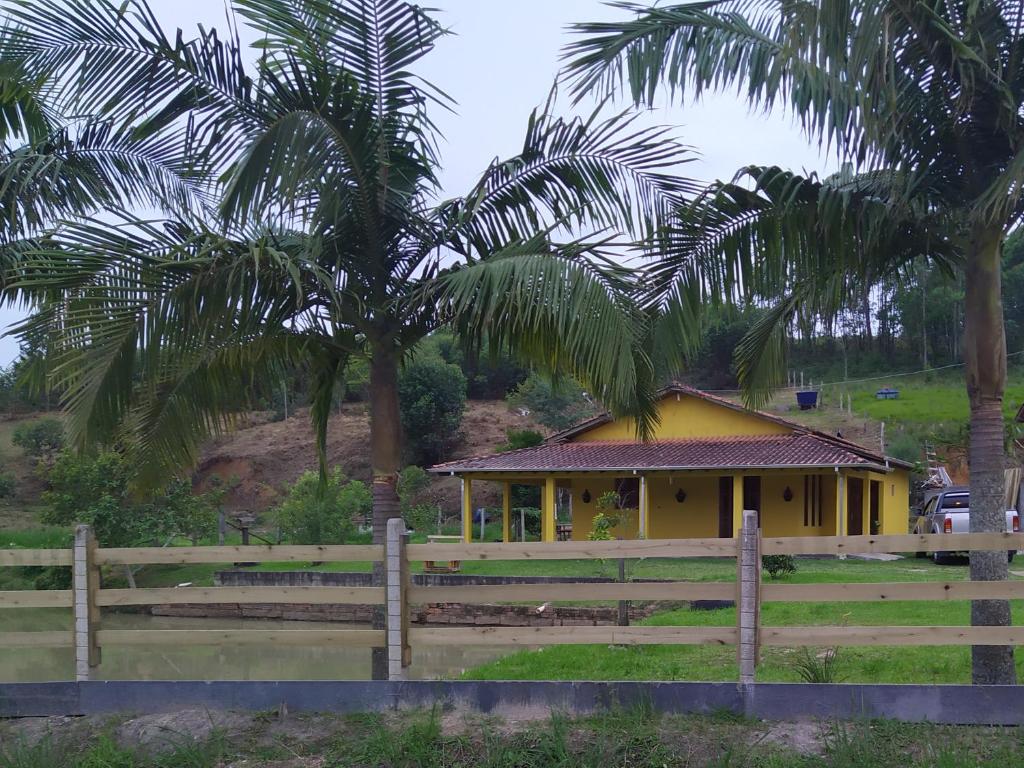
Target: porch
(694, 504)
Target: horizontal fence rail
(575, 550)
(397, 593)
(255, 554)
(29, 557)
(212, 595)
(865, 545)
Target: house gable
(687, 416)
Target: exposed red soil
(261, 457)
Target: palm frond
(375, 42)
(558, 311)
(594, 172)
(155, 325)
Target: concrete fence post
(85, 583)
(396, 568)
(748, 609)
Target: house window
(628, 490)
(813, 501)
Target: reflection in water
(184, 662)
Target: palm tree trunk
(386, 461)
(985, 357)
(385, 437)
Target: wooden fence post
(396, 567)
(748, 609)
(86, 583)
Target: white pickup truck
(949, 511)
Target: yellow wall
(895, 501)
(583, 512)
(688, 417)
(695, 518)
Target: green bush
(40, 438)
(432, 397)
(7, 485)
(778, 565)
(96, 490)
(313, 513)
(556, 406)
(521, 438)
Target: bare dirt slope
(261, 457)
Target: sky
(500, 62)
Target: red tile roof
(799, 450)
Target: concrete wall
(953, 704)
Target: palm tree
(926, 93)
(53, 167)
(325, 239)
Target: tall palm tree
(928, 92)
(328, 240)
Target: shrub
(96, 490)
(432, 397)
(40, 438)
(820, 667)
(419, 513)
(558, 406)
(521, 438)
(6, 485)
(778, 565)
(323, 514)
(601, 527)
(610, 515)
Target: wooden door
(854, 506)
(875, 502)
(725, 508)
(752, 494)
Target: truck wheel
(940, 558)
(1009, 555)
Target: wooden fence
(87, 598)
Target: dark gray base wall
(975, 705)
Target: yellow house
(709, 460)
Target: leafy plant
(432, 397)
(558, 405)
(601, 527)
(521, 438)
(611, 515)
(96, 490)
(40, 438)
(7, 485)
(818, 666)
(778, 565)
(315, 513)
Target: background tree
(925, 97)
(432, 399)
(316, 513)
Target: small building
(709, 459)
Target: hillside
(262, 457)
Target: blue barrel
(807, 400)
